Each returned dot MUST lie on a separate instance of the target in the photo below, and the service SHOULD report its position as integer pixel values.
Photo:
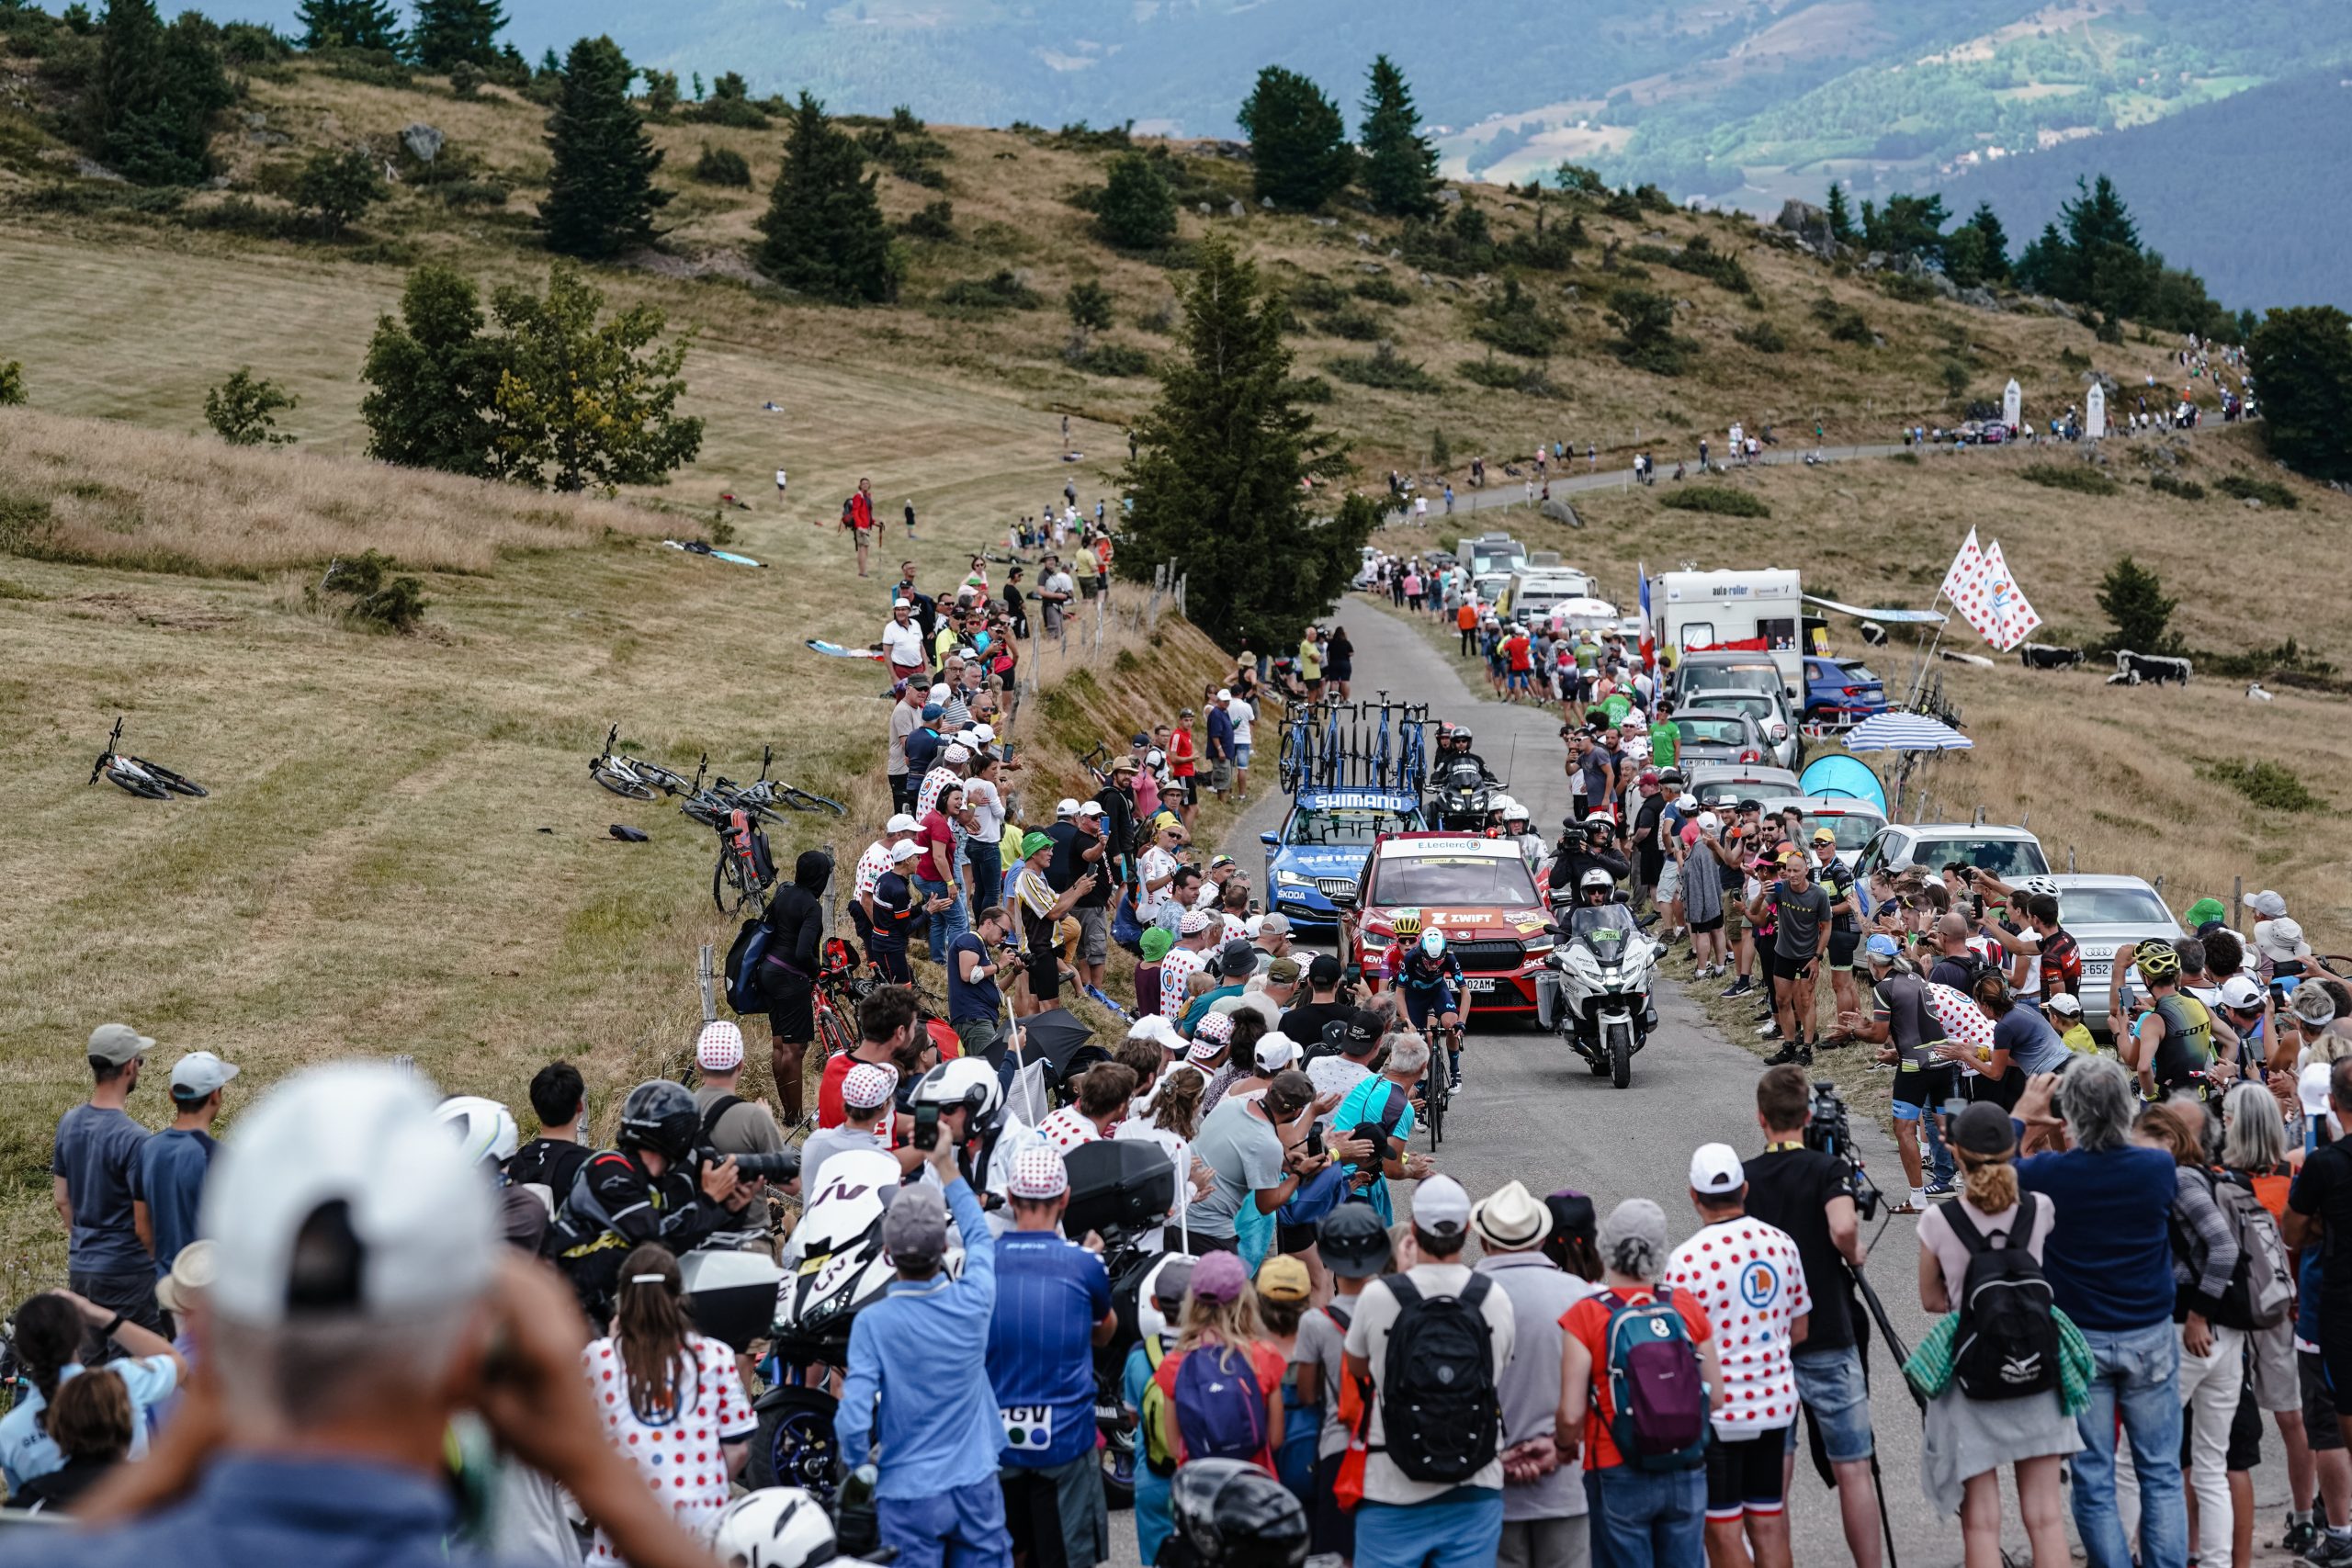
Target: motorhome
(1536, 589)
(1759, 611)
(1489, 553)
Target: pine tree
(350, 24)
(582, 405)
(1220, 469)
(601, 196)
(431, 377)
(449, 30)
(1298, 144)
(1841, 217)
(2134, 598)
(1399, 163)
(2302, 360)
(155, 94)
(1994, 262)
(1137, 211)
(825, 233)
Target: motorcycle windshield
(1604, 930)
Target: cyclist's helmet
(1434, 943)
(661, 1115)
(484, 1128)
(780, 1527)
(1406, 925)
(2034, 885)
(967, 1083)
(2157, 961)
(1596, 886)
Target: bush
(1310, 389)
(2270, 493)
(337, 188)
(1160, 317)
(1381, 291)
(242, 215)
(2264, 784)
(242, 410)
(12, 383)
(2080, 478)
(1763, 337)
(723, 167)
(1911, 291)
(1529, 380)
(2187, 489)
(999, 290)
(465, 80)
(397, 607)
(1314, 293)
(471, 193)
(934, 220)
(1356, 326)
(1648, 343)
(1135, 210)
(1955, 377)
(1721, 499)
(1384, 368)
(1111, 359)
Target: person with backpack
(1159, 1315)
(1638, 1366)
(1282, 1289)
(2254, 1155)
(1355, 1250)
(648, 1188)
(1432, 1344)
(1544, 1507)
(730, 1123)
(1747, 1273)
(1221, 1387)
(1981, 1254)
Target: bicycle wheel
(172, 781)
(1380, 755)
(832, 1034)
(802, 800)
(623, 784)
(732, 888)
(1433, 1101)
(661, 777)
(143, 788)
(1288, 766)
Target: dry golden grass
(192, 504)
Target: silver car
(1719, 735)
(1853, 823)
(1784, 747)
(2102, 913)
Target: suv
(1841, 692)
(2008, 853)
(1716, 670)
(1480, 893)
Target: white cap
(1038, 1174)
(720, 1048)
(2312, 1087)
(984, 733)
(2267, 904)
(869, 1085)
(2067, 1004)
(955, 753)
(1151, 1026)
(416, 1232)
(2242, 993)
(941, 691)
(197, 1074)
(1715, 1168)
(1709, 822)
(1276, 1051)
(1224, 696)
(1066, 807)
(1091, 809)
(903, 853)
(1442, 1206)
(901, 823)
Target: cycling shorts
(1842, 945)
(1744, 1474)
(1420, 1006)
(1921, 1091)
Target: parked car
(1855, 822)
(1841, 692)
(1715, 786)
(2102, 913)
(1784, 747)
(2008, 853)
(1718, 735)
(1716, 670)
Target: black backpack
(1440, 1412)
(2007, 1343)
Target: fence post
(703, 979)
(2237, 899)
(2070, 860)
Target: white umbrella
(1905, 732)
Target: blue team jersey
(1049, 1295)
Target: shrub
(1763, 337)
(471, 193)
(1135, 210)
(1384, 368)
(12, 383)
(723, 167)
(242, 215)
(1955, 377)
(1383, 291)
(2187, 489)
(1721, 499)
(1111, 359)
(1903, 286)
(1356, 326)
(361, 574)
(1001, 290)
(465, 80)
(242, 410)
(2133, 599)
(1314, 293)
(2270, 493)
(397, 607)
(934, 220)
(337, 188)
(1527, 380)
(731, 104)
(1089, 304)
(2265, 784)
(1160, 317)
(2080, 478)
(1646, 320)
(1310, 389)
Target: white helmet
(780, 1526)
(967, 1082)
(1512, 811)
(2034, 885)
(1596, 877)
(485, 1129)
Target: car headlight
(1372, 944)
(1539, 944)
(1292, 879)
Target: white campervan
(1761, 611)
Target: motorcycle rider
(1429, 976)
(1516, 827)
(648, 1188)
(1579, 851)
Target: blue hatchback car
(1321, 847)
(1840, 690)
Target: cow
(2131, 669)
(2043, 656)
(1873, 633)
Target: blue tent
(1842, 775)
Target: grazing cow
(2255, 693)
(2131, 669)
(2043, 656)
(1873, 633)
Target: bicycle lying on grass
(149, 781)
(632, 777)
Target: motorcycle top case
(1125, 1186)
(730, 1297)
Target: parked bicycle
(632, 777)
(149, 781)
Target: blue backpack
(1656, 1389)
(1220, 1409)
(746, 993)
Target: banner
(2013, 619)
(1966, 572)
(1649, 640)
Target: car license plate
(1481, 982)
(2095, 967)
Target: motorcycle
(1465, 795)
(1607, 965)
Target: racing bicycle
(149, 781)
(632, 777)
(1438, 1077)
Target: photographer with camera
(732, 1124)
(1799, 1188)
(658, 1185)
(1585, 846)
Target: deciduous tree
(431, 375)
(585, 404)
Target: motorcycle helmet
(1512, 811)
(1235, 1514)
(967, 1083)
(1406, 925)
(780, 1527)
(1434, 943)
(485, 1129)
(661, 1115)
(1595, 881)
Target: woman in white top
(1967, 1439)
(1173, 1122)
(672, 1400)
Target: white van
(1535, 590)
(1761, 611)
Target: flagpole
(1919, 680)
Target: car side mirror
(1271, 840)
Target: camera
(926, 1133)
(1830, 1131)
(781, 1165)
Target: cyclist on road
(1429, 978)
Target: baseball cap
(1283, 972)
(1276, 923)
(1171, 1279)
(719, 1047)
(1324, 970)
(2065, 1003)
(2242, 993)
(1032, 843)
(2311, 1087)
(1038, 1174)
(984, 733)
(868, 1085)
(1364, 1027)
(914, 1227)
(904, 852)
(1066, 807)
(1224, 696)
(1440, 1206)
(1709, 822)
(1139, 739)
(197, 1074)
(2267, 904)
(901, 823)
(1511, 1219)
(1283, 1278)
(115, 1043)
(939, 692)
(1194, 921)
(340, 1193)
(931, 711)
(1091, 809)
(2312, 1004)
(955, 752)
(1983, 1129)
(1353, 1242)
(1715, 1167)
(1823, 836)
(1572, 1214)
(1184, 713)
(1219, 1277)
(1276, 1051)
(1751, 805)
(2204, 910)
(1156, 943)
(193, 1270)
(1216, 1028)
(1648, 779)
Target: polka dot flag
(1979, 586)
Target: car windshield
(1445, 880)
(1319, 825)
(1754, 704)
(2008, 859)
(1853, 830)
(2113, 906)
(1703, 729)
(1731, 677)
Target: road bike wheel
(1289, 766)
(1433, 1100)
(144, 788)
(172, 781)
(802, 800)
(623, 784)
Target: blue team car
(1322, 845)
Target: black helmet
(1235, 1514)
(659, 1114)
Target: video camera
(1829, 1132)
(781, 1165)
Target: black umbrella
(1054, 1037)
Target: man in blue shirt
(1220, 742)
(937, 1422)
(94, 1172)
(1052, 1306)
(974, 1002)
(172, 1163)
